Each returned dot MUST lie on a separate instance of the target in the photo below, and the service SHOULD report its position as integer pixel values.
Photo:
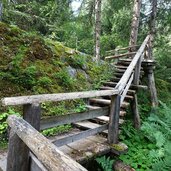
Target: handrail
(21, 100)
(123, 81)
(47, 153)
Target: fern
(105, 163)
(158, 129)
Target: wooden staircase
(95, 132)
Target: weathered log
(55, 97)
(152, 87)
(18, 153)
(121, 55)
(134, 107)
(32, 114)
(52, 158)
(72, 118)
(113, 132)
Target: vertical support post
(134, 107)
(137, 72)
(18, 152)
(113, 132)
(32, 114)
(152, 87)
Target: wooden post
(46, 152)
(152, 87)
(18, 152)
(17, 158)
(134, 107)
(137, 72)
(113, 132)
(32, 114)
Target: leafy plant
(3, 123)
(105, 162)
(56, 130)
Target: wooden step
(120, 70)
(118, 75)
(106, 102)
(120, 66)
(105, 119)
(90, 107)
(115, 79)
(106, 88)
(125, 60)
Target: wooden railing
(32, 114)
(50, 157)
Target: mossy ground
(31, 64)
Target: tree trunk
(135, 23)
(152, 29)
(153, 24)
(1, 10)
(97, 28)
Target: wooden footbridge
(95, 132)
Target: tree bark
(135, 24)
(1, 10)
(97, 29)
(151, 79)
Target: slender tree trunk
(135, 23)
(151, 78)
(1, 10)
(153, 23)
(97, 28)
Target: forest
(60, 46)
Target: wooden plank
(21, 100)
(126, 88)
(87, 149)
(137, 72)
(120, 55)
(35, 164)
(121, 84)
(18, 153)
(71, 118)
(32, 114)
(123, 48)
(134, 106)
(113, 132)
(46, 152)
(81, 135)
(106, 119)
(87, 125)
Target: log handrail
(35, 99)
(125, 78)
(120, 55)
(46, 152)
(123, 48)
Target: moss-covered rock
(31, 64)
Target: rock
(119, 148)
(120, 166)
(72, 71)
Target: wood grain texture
(52, 158)
(21, 100)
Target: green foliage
(105, 163)
(3, 123)
(45, 81)
(149, 147)
(64, 79)
(56, 130)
